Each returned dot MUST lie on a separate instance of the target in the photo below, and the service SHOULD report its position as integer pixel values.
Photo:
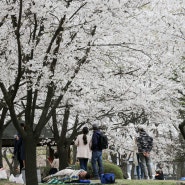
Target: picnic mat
(57, 181)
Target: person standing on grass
(145, 145)
(132, 160)
(96, 153)
(17, 151)
(130, 164)
(139, 170)
(83, 143)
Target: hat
(95, 126)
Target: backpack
(107, 178)
(103, 141)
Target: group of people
(88, 148)
(141, 157)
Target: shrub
(112, 168)
(108, 168)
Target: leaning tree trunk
(30, 161)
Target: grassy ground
(146, 182)
(122, 182)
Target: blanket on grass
(76, 182)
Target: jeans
(146, 166)
(129, 168)
(97, 158)
(140, 174)
(83, 163)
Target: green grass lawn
(146, 182)
(122, 182)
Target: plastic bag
(12, 178)
(19, 179)
(3, 174)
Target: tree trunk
(63, 156)
(74, 154)
(182, 128)
(30, 164)
(1, 156)
(113, 157)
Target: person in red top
(54, 164)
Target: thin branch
(17, 33)
(3, 20)
(59, 29)
(77, 10)
(122, 45)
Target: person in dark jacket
(159, 174)
(96, 160)
(145, 144)
(17, 151)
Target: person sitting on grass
(69, 175)
(159, 175)
(54, 164)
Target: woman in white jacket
(83, 143)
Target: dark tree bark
(182, 128)
(63, 142)
(1, 156)
(30, 165)
(31, 134)
(3, 125)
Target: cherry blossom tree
(142, 56)
(106, 58)
(37, 50)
